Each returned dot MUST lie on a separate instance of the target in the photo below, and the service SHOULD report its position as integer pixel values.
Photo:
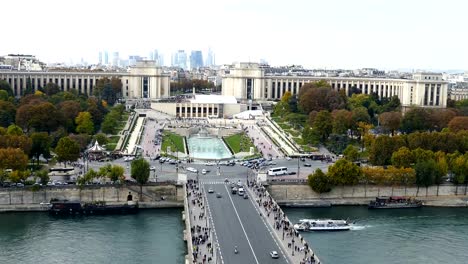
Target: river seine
(426, 235)
(151, 236)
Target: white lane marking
(269, 228)
(238, 217)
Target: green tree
(425, 173)
(318, 96)
(104, 171)
(18, 176)
(382, 149)
(43, 175)
(296, 120)
(140, 172)
(319, 182)
(4, 85)
(88, 177)
(416, 119)
(403, 158)
(40, 145)
(281, 109)
(116, 173)
(323, 124)
(67, 150)
(84, 123)
(101, 138)
(51, 89)
(7, 113)
(14, 130)
(351, 153)
(344, 172)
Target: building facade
(248, 81)
(144, 80)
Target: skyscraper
(179, 59)
(106, 58)
(196, 59)
(115, 58)
(100, 58)
(210, 58)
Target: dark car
(307, 165)
(292, 173)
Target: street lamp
(298, 167)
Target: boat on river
(65, 207)
(394, 202)
(322, 225)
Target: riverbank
(5, 208)
(151, 196)
(301, 195)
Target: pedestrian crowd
(281, 222)
(200, 229)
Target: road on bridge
(238, 223)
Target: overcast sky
(386, 34)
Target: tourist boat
(394, 202)
(322, 225)
(65, 207)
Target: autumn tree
(390, 121)
(342, 120)
(84, 123)
(319, 182)
(13, 158)
(318, 96)
(458, 123)
(42, 116)
(70, 110)
(67, 150)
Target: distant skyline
(332, 34)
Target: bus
(70, 171)
(278, 171)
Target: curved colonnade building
(144, 80)
(248, 81)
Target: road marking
(238, 217)
(269, 228)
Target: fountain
(202, 145)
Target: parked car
(210, 190)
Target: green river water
(426, 235)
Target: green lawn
(284, 126)
(294, 133)
(112, 142)
(239, 142)
(176, 142)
